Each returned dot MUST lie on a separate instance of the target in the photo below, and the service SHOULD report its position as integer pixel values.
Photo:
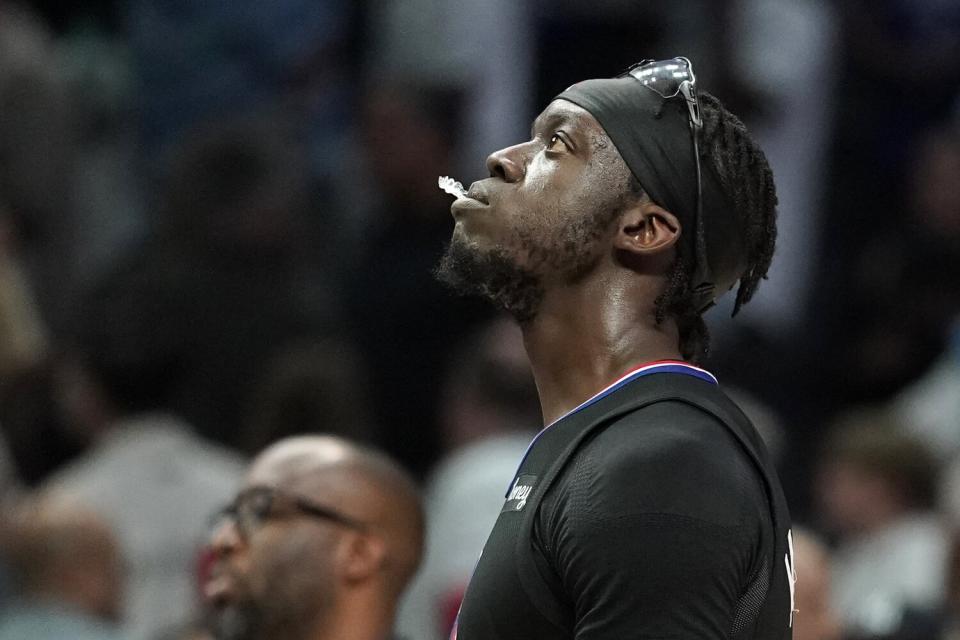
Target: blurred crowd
(218, 225)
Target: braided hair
(746, 179)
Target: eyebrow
(541, 121)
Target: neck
(586, 335)
(356, 619)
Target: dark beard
(282, 618)
(235, 622)
(491, 275)
(247, 621)
(568, 255)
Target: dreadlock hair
(746, 179)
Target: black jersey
(652, 513)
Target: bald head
(319, 544)
(356, 481)
(60, 551)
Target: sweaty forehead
(563, 112)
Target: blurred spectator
(9, 482)
(895, 302)
(899, 76)
(309, 387)
(929, 256)
(403, 319)
(34, 441)
(488, 389)
(897, 51)
(68, 575)
(236, 189)
(36, 432)
(69, 194)
(942, 623)
(815, 618)
(912, 264)
(949, 618)
(482, 51)
(877, 488)
(23, 336)
(199, 62)
(931, 406)
(235, 243)
(146, 473)
(37, 148)
(792, 120)
(106, 209)
(490, 412)
(320, 543)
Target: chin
(472, 270)
(232, 621)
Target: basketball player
(647, 507)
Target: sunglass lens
(664, 77)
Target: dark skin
(310, 578)
(594, 312)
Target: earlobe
(647, 229)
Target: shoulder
(662, 504)
(668, 458)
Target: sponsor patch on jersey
(519, 492)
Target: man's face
(542, 217)
(275, 578)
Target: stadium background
(230, 211)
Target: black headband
(653, 136)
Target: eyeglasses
(255, 505)
(669, 79)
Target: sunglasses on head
(670, 79)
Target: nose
(510, 164)
(225, 538)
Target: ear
(646, 229)
(362, 556)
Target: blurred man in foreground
(319, 544)
(68, 575)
